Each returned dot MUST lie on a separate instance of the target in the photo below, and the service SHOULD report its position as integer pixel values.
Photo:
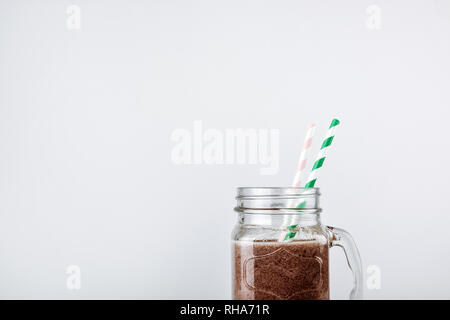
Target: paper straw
(320, 159)
(301, 164)
(302, 160)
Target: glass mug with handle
(280, 247)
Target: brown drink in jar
(270, 270)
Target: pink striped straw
(300, 168)
(302, 161)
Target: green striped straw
(320, 159)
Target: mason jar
(280, 248)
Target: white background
(86, 116)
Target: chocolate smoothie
(275, 270)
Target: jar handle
(343, 239)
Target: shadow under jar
(280, 248)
